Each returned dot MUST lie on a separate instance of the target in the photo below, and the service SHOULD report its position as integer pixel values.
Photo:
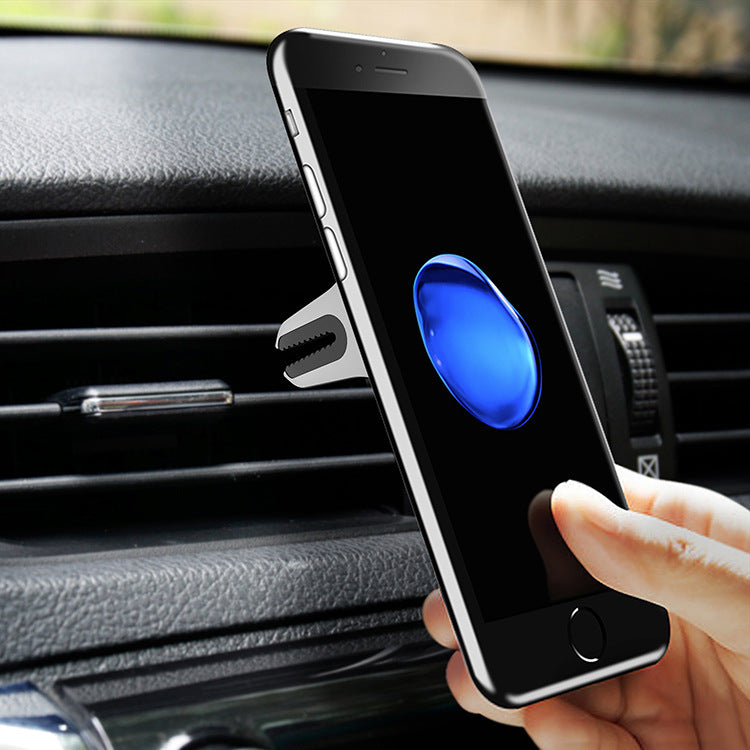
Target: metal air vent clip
(322, 335)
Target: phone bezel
(307, 58)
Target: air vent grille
(703, 321)
(275, 453)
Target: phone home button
(586, 634)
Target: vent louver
(274, 453)
(703, 321)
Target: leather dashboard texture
(93, 126)
(62, 606)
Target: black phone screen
(465, 319)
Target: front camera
(358, 68)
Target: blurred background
(690, 37)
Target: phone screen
(463, 315)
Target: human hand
(685, 548)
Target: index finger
(436, 620)
(698, 509)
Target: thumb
(699, 579)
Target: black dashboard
(250, 574)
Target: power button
(338, 258)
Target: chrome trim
(262, 712)
(126, 398)
(187, 740)
(32, 720)
(102, 405)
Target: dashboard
(245, 571)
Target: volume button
(315, 194)
(290, 123)
(337, 257)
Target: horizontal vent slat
(226, 472)
(241, 400)
(713, 436)
(708, 370)
(133, 333)
(701, 310)
(35, 366)
(275, 453)
(692, 319)
(280, 398)
(708, 376)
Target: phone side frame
(379, 375)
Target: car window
(666, 36)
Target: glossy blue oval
(480, 346)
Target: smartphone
(467, 352)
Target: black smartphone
(467, 352)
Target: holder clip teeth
(323, 336)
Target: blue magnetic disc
(480, 346)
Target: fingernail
(432, 600)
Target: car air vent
(702, 313)
(195, 332)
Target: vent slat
(703, 323)
(275, 454)
(692, 319)
(52, 410)
(708, 376)
(713, 436)
(227, 472)
(133, 333)
(283, 398)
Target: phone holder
(323, 337)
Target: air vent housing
(702, 314)
(275, 456)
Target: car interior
(242, 569)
